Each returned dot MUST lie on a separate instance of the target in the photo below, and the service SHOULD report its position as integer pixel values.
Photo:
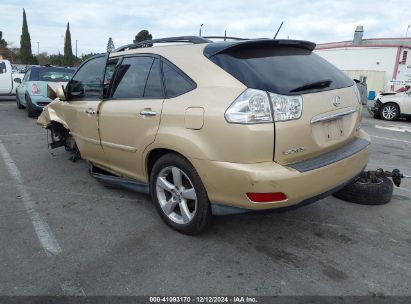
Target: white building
(384, 62)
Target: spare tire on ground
(366, 192)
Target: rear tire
(19, 105)
(30, 111)
(367, 193)
(179, 195)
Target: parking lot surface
(63, 233)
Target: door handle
(90, 111)
(148, 113)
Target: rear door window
(154, 86)
(283, 70)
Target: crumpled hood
(51, 111)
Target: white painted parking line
(394, 128)
(70, 288)
(22, 134)
(42, 229)
(393, 139)
(72, 193)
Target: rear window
(51, 74)
(282, 70)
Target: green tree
(26, 56)
(43, 58)
(142, 36)
(68, 51)
(84, 57)
(56, 59)
(4, 51)
(110, 45)
(3, 43)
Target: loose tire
(30, 111)
(19, 105)
(390, 111)
(179, 195)
(365, 192)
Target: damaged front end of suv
(50, 120)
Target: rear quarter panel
(217, 139)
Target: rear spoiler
(217, 48)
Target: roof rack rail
(149, 43)
(225, 38)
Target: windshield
(282, 69)
(51, 74)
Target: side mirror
(18, 80)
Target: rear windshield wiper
(314, 85)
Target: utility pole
(38, 48)
(406, 32)
(200, 28)
(76, 48)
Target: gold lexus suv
(211, 128)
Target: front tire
(179, 195)
(390, 111)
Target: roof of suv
(194, 57)
(212, 48)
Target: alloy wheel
(389, 112)
(176, 195)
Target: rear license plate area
(333, 129)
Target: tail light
(286, 107)
(256, 107)
(35, 89)
(266, 197)
(251, 107)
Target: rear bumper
(227, 183)
(38, 102)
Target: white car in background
(9, 80)
(392, 105)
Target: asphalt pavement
(63, 233)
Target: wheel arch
(151, 156)
(392, 102)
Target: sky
(92, 22)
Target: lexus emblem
(336, 101)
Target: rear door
(6, 81)
(84, 93)
(130, 118)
